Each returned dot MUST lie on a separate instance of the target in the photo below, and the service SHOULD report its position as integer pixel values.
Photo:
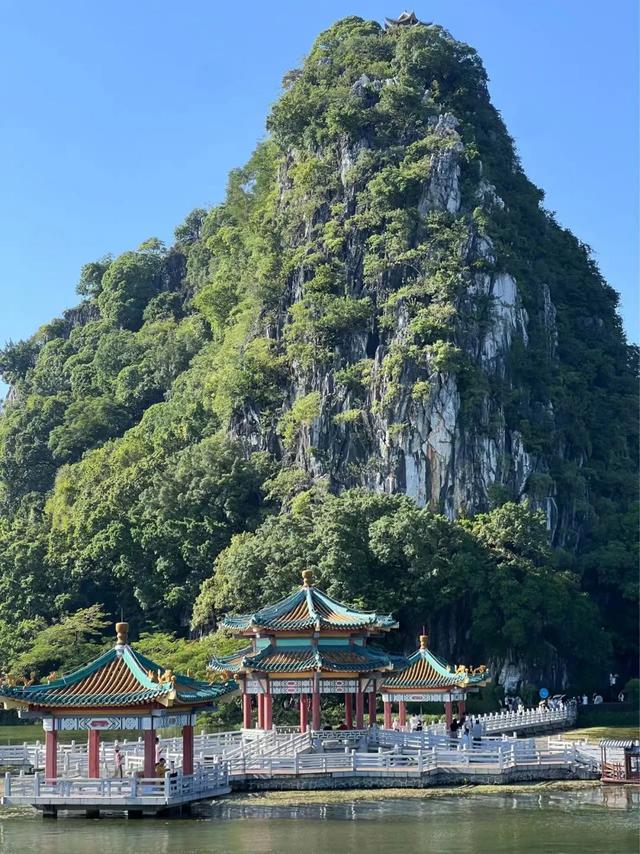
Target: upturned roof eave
(315, 602)
(54, 694)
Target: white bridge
(237, 757)
(72, 757)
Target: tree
(64, 645)
(469, 582)
(91, 275)
(128, 284)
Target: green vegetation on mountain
(217, 415)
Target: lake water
(595, 820)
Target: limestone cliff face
(425, 446)
(437, 332)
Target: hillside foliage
(125, 474)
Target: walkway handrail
(72, 757)
(165, 789)
(499, 759)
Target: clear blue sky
(118, 118)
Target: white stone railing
(251, 743)
(34, 788)
(505, 721)
(72, 757)
(425, 740)
(469, 760)
(528, 719)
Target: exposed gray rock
(426, 445)
(442, 190)
(486, 195)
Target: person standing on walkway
(117, 760)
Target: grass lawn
(595, 733)
(16, 734)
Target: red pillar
(303, 712)
(461, 708)
(402, 713)
(315, 708)
(260, 711)
(448, 713)
(187, 749)
(359, 710)
(246, 711)
(50, 754)
(267, 710)
(149, 736)
(387, 714)
(348, 711)
(372, 708)
(94, 752)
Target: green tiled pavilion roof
(425, 670)
(309, 609)
(118, 678)
(299, 659)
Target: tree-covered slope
(381, 304)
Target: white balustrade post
(167, 785)
(420, 762)
(36, 784)
(7, 784)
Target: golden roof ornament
(423, 641)
(307, 577)
(122, 632)
(167, 677)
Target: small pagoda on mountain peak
(405, 20)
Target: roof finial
(307, 577)
(122, 631)
(424, 639)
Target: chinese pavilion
(307, 645)
(426, 679)
(404, 20)
(120, 690)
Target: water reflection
(613, 797)
(590, 820)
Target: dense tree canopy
(158, 447)
(488, 582)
